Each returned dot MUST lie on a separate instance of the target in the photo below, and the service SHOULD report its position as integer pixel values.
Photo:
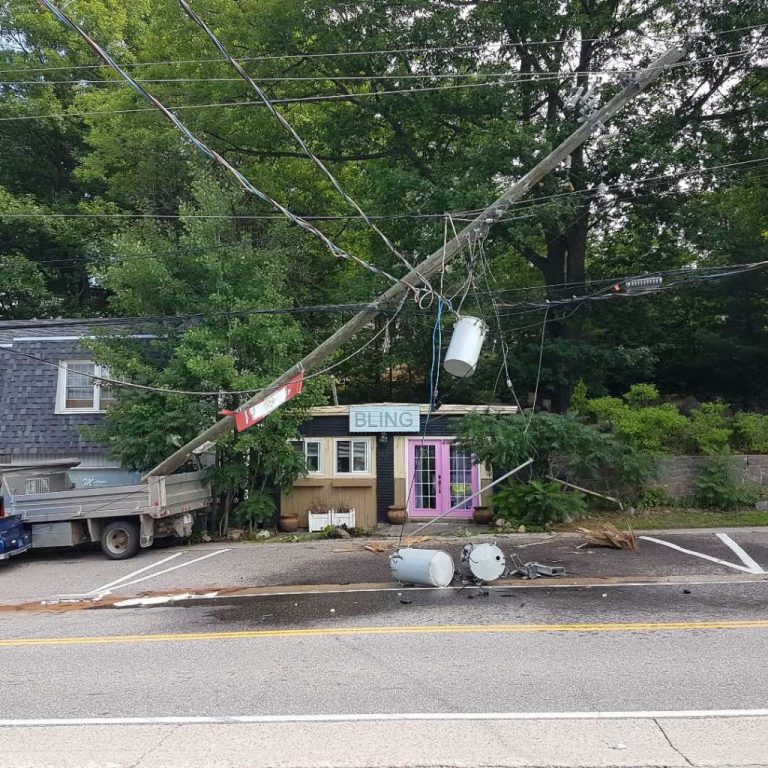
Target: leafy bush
(642, 394)
(548, 438)
(710, 429)
(537, 503)
(717, 485)
(651, 428)
(750, 432)
(259, 507)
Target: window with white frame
(353, 457)
(79, 390)
(312, 451)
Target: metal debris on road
(431, 567)
(482, 562)
(534, 570)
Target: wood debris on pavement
(608, 535)
(380, 547)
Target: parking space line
(105, 587)
(703, 556)
(175, 567)
(355, 717)
(741, 554)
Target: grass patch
(667, 517)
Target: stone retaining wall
(678, 474)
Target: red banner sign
(259, 411)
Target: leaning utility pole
(478, 228)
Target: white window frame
(368, 456)
(320, 459)
(61, 388)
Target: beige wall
(357, 491)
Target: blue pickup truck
(14, 537)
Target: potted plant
(482, 515)
(397, 515)
(289, 522)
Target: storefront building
(377, 456)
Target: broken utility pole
(436, 261)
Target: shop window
(313, 454)
(353, 457)
(79, 389)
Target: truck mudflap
(14, 537)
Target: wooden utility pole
(436, 261)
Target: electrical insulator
(639, 285)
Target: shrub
(710, 429)
(750, 432)
(642, 394)
(653, 428)
(537, 503)
(717, 486)
(547, 437)
(259, 507)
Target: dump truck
(50, 511)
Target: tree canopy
(423, 111)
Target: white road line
(175, 567)
(99, 590)
(741, 554)
(698, 554)
(684, 714)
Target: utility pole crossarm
(436, 261)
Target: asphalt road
(654, 651)
(671, 673)
(48, 574)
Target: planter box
(320, 520)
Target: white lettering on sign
(384, 418)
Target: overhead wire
(524, 77)
(126, 321)
(197, 19)
(500, 47)
(111, 382)
(347, 96)
(214, 155)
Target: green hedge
(641, 420)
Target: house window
(79, 390)
(313, 454)
(353, 457)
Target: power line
(110, 382)
(526, 77)
(341, 96)
(293, 133)
(387, 51)
(248, 103)
(120, 323)
(524, 205)
(212, 154)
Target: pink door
(440, 477)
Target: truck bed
(162, 497)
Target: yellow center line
(510, 629)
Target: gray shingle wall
(28, 422)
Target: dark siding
(28, 424)
(338, 426)
(385, 478)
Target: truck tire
(120, 539)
